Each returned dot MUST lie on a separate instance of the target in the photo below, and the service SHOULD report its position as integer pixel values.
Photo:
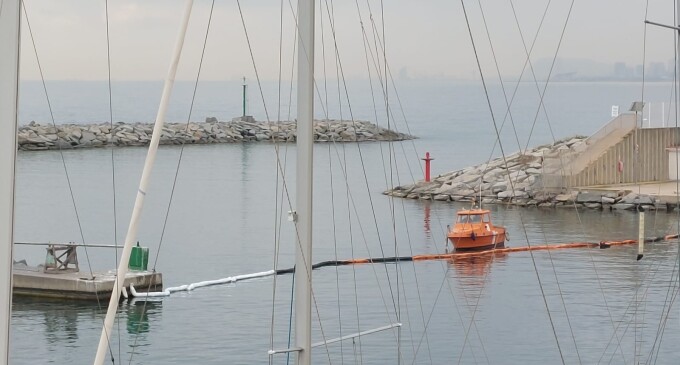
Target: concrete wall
(650, 163)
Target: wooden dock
(77, 285)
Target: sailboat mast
(131, 236)
(10, 22)
(305, 140)
(677, 85)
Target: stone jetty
(519, 183)
(65, 136)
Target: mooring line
(393, 259)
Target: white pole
(677, 89)
(641, 236)
(305, 139)
(663, 114)
(10, 24)
(649, 116)
(141, 192)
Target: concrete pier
(78, 285)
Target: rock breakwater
(43, 137)
(519, 183)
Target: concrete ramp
(596, 145)
(624, 156)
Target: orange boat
(473, 230)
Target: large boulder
(634, 198)
(588, 197)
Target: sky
(423, 39)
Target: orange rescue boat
(473, 230)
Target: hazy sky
(423, 38)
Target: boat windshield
(471, 218)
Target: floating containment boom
(396, 259)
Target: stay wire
(350, 201)
(504, 159)
(658, 349)
(330, 10)
(367, 50)
(670, 294)
(346, 93)
(636, 137)
(376, 64)
(547, 81)
(500, 75)
(332, 194)
(113, 164)
(648, 276)
(674, 296)
(61, 152)
(63, 161)
(308, 273)
(542, 106)
(524, 67)
(497, 141)
(676, 95)
(390, 145)
(370, 79)
(176, 175)
(277, 215)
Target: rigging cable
(512, 185)
(61, 152)
(547, 81)
(340, 71)
(281, 176)
(113, 165)
(542, 106)
(252, 57)
(676, 88)
(376, 62)
(500, 76)
(545, 111)
(177, 169)
(636, 154)
(332, 190)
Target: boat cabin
(473, 216)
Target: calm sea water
(585, 305)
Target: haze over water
(223, 221)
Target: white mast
(677, 87)
(305, 140)
(10, 22)
(143, 184)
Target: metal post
(244, 97)
(305, 139)
(641, 236)
(677, 97)
(427, 160)
(10, 24)
(131, 236)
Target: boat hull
(477, 242)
